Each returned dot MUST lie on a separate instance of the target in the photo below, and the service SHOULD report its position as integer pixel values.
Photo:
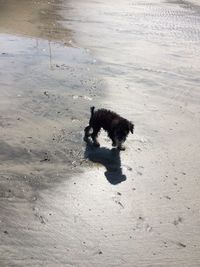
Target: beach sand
(65, 203)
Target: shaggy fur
(117, 127)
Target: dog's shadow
(109, 158)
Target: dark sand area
(65, 203)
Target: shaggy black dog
(117, 127)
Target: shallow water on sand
(46, 87)
(46, 80)
(151, 45)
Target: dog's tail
(92, 111)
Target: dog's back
(104, 118)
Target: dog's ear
(131, 127)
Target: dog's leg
(94, 136)
(87, 132)
(120, 146)
(114, 143)
(89, 127)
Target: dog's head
(123, 128)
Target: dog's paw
(122, 148)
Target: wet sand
(65, 203)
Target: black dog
(117, 127)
